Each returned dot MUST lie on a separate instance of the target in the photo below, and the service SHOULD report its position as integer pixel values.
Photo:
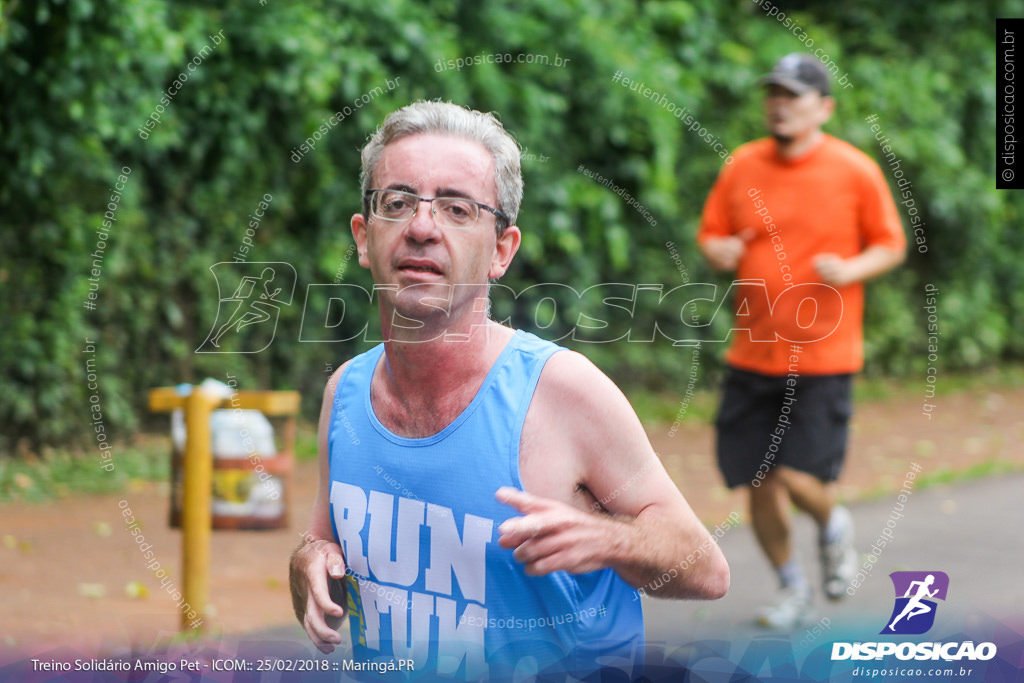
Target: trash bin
(251, 476)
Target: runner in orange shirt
(811, 218)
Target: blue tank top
(429, 588)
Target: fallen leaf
(136, 590)
(92, 590)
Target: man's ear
(504, 250)
(359, 235)
(828, 107)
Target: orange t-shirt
(832, 200)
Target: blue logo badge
(916, 593)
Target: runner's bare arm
(868, 264)
(319, 603)
(589, 437)
(725, 253)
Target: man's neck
(440, 366)
(794, 148)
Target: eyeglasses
(448, 212)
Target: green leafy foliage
(79, 80)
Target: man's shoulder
(370, 355)
(555, 362)
(530, 343)
(841, 151)
(564, 364)
(571, 380)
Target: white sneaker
(794, 608)
(839, 558)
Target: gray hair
(447, 118)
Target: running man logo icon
(258, 291)
(916, 592)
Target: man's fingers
(319, 591)
(320, 633)
(826, 260)
(526, 503)
(517, 530)
(335, 561)
(536, 548)
(541, 537)
(322, 565)
(319, 644)
(528, 552)
(520, 500)
(538, 562)
(318, 630)
(730, 250)
(332, 558)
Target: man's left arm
(645, 528)
(880, 231)
(872, 262)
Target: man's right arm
(720, 243)
(724, 253)
(317, 569)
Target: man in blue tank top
(488, 501)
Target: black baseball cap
(800, 73)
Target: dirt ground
(71, 574)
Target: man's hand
(835, 270)
(553, 536)
(872, 262)
(724, 253)
(317, 575)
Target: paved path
(973, 531)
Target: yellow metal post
(195, 514)
(196, 511)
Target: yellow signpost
(198, 476)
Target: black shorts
(801, 422)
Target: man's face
(791, 117)
(418, 251)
